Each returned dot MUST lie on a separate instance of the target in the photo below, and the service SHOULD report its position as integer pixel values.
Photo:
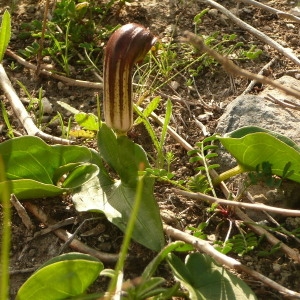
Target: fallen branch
(21, 112)
(279, 13)
(204, 246)
(284, 103)
(261, 72)
(263, 37)
(256, 206)
(65, 236)
(232, 68)
(66, 80)
(22, 213)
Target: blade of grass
(6, 234)
(5, 33)
(164, 133)
(117, 280)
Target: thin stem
(6, 234)
(228, 174)
(118, 278)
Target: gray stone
(248, 110)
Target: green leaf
(62, 277)
(148, 110)
(29, 189)
(167, 118)
(251, 146)
(80, 175)
(153, 265)
(204, 279)
(87, 121)
(115, 198)
(35, 169)
(243, 131)
(5, 32)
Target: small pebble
(47, 106)
(213, 12)
(247, 258)
(289, 25)
(47, 59)
(174, 85)
(276, 268)
(60, 85)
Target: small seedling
(10, 130)
(203, 152)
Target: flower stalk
(127, 45)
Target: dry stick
(253, 82)
(53, 227)
(65, 236)
(21, 112)
(257, 206)
(250, 223)
(22, 213)
(254, 31)
(204, 246)
(22, 271)
(283, 103)
(230, 67)
(66, 80)
(278, 12)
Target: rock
(47, 106)
(254, 110)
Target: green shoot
(198, 18)
(274, 249)
(6, 232)
(161, 156)
(239, 244)
(40, 112)
(169, 159)
(118, 277)
(204, 153)
(5, 33)
(10, 131)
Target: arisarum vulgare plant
(127, 45)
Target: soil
(213, 86)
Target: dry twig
(278, 12)
(22, 213)
(256, 206)
(66, 80)
(261, 72)
(232, 68)
(21, 112)
(284, 103)
(263, 37)
(53, 227)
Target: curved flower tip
(126, 46)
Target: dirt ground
(213, 86)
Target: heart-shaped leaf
(251, 146)
(204, 279)
(115, 198)
(35, 169)
(62, 277)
